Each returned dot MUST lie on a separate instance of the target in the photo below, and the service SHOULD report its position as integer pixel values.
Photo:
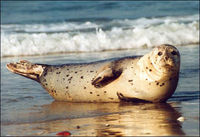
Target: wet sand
(105, 119)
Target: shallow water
(27, 109)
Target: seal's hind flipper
(105, 77)
(26, 69)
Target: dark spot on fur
(63, 78)
(150, 70)
(146, 67)
(67, 87)
(130, 80)
(67, 75)
(57, 72)
(157, 83)
(90, 92)
(57, 68)
(91, 71)
(149, 83)
(111, 98)
(98, 95)
(44, 80)
(75, 72)
(131, 67)
(45, 73)
(84, 87)
(146, 79)
(81, 77)
(162, 84)
(104, 91)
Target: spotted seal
(152, 77)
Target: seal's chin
(164, 68)
(169, 69)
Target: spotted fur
(152, 77)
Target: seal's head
(158, 73)
(163, 62)
(165, 59)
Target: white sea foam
(34, 39)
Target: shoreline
(87, 52)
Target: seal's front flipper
(26, 69)
(106, 76)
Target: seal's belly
(74, 83)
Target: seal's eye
(174, 52)
(159, 53)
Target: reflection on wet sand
(144, 119)
(105, 119)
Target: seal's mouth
(164, 67)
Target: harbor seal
(152, 77)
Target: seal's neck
(148, 71)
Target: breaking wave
(89, 36)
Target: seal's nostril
(166, 58)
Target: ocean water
(42, 27)
(76, 32)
